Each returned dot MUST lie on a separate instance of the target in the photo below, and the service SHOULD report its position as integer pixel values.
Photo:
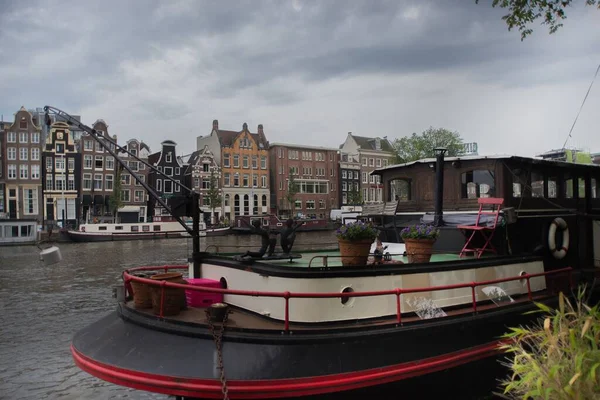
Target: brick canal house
(373, 153)
(133, 195)
(315, 171)
(22, 176)
(2, 169)
(168, 163)
(243, 158)
(98, 175)
(201, 170)
(61, 176)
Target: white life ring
(562, 225)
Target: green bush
(558, 357)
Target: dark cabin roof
(527, 160)
(367, 143)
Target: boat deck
(333, 259)
(242, 319)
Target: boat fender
(558, 223)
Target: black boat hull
(130, 349)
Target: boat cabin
(534, 192)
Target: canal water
(42, 307)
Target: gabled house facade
(169, 164)
(97, 175)
(61, 176)
(23, 184)
(244, 163)
(133, 195)
(202, 170)
(372, 153)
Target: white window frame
(35, 172)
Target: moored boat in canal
(304, 324)
(128, 231)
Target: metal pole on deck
(196, 233)
(439, 186)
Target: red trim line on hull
(280, 388)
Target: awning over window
(86, 200)
(98, 199)
(129, 209)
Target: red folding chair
(486, 231)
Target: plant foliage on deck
(558, 358)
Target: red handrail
(127, 277)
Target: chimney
(260, 129)
(215, 124)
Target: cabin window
(477, 183)
(581, 186)
(552, 187)
(101, 228)
(156, 228)
(146, 228)
(537, 184)
(118, 228)
(400, 190)
(594, 188)
(568, 187)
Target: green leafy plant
(422, 231)
(357, 231)
(558, 357)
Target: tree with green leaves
(521, 13)
(293, 189)
(214, 194)
(416, 147)
(115, 201)
(353, 197)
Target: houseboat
(134, 231)
(18, 231)
(303, 324)
(242, 223)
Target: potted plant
(419, 240)
(355, 241)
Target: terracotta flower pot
(354, 252)
(419, 250)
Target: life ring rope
(558, 223)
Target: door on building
(50, 209)
(12, 208)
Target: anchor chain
(218, 336)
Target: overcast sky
(309, 71)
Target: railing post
(162, 297)
(286, 326)
(473, 295)
(398, 306)
(529, 288)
